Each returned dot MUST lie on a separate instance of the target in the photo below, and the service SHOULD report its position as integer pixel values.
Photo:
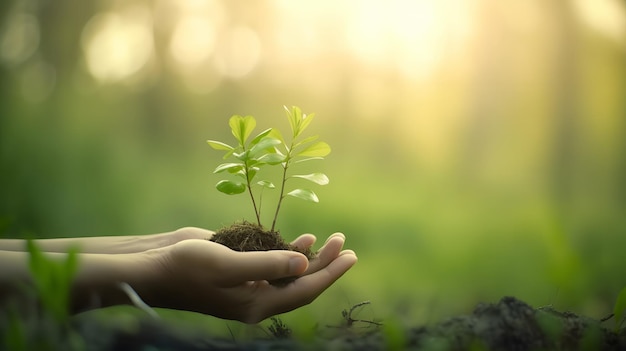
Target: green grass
(431, 242)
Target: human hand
(116, 244)
(206, 277)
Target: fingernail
(340, 235)
(347, 252)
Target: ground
(509, 324)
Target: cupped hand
(206, 277)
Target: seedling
(267, 149)
(279, 329)
(53, 280)
(619, 308)
(249, 157)
(349, 321)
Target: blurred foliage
(478, 147)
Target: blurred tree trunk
(489, 84)
(31, 131)
(620, 178)
(566, 141)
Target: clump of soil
(246, 236)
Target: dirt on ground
(509, 324)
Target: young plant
(53, 280)
(269, 148)
(619, 308)
(43, 323)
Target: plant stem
(282, 190)
(282, 186)
(256, 211)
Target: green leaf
(230, 167)
(241, 173)
(230, 187)
(308, 159)
(35, 257)
(619, 308)
(228, 154)
(319, 149)
(306, 140)
(260, 136)
(15, 336)
(266, 184)
(218, 145)
(264, 145)
(304, 194)
(318, 178)
(242, 127)
(295, 116)
(71, 264)
(53, 279)
(276, 134)
(273, 158)
(243, 156)
(306, 120)
(252, 171)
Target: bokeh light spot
(238, 53)
(193, 40)
(117, 46)
(19, 38)
(606, 16)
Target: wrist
(97, 283)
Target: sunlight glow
(118, 45)
(193, 40)
(238, 53)
(407, 34)
(605, 16)
(410, 36)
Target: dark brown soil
(509, 324)
(246, 236)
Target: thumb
(265, 265)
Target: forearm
(106, 244)
(96, 283)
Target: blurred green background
(478, 146)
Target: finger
(333, 236)
(347, 252)
(327, 253)
(262, 265)
(187, 233)
(304, 241)
(307, 288)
